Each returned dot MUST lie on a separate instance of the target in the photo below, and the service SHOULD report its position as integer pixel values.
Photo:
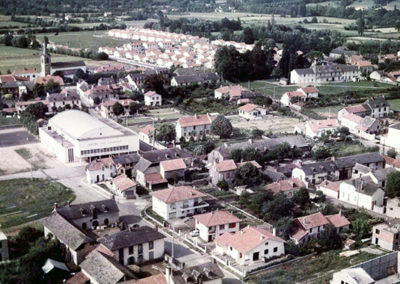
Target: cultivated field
(25, 200)
(274, 124)
(85, 39)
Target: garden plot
(274, 124)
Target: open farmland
(85, 39)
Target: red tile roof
(154, 178)
(150, 94)
(308, 90)
(97, 164)
(175, 194)
(254, 163)
(312, 221)
(338, 220)
(216, 218)
(173, 165)
(246, 239)
(24, 71)
(332, 185)
(284, 185)
(154, 279)
(201, 119)
(317, 125)
(226, 165)
(248, 107)
(148, 129)
(355, 109)
(123, 182)
(44, 80)
(78, 278)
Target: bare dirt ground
(21, 156)
(275, 124)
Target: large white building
(75, 136)
(325, 74)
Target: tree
(361, 227)
(258, 200)
(301, 197)
(247, 35)
(283, 227)
(393, 184)
(51, 86)
(392, 153)
(117, 109)
(166, 133)
(155, 83)
(221, 126)
(257, 133)
(134, 108)
(247, 175)
(361, 24)
(236, 155)
(222, 184)
(320, 153)
(277, 208)
(329, 238)
(244, 199)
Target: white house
(196, 126)
(147, 134)
(213, 224)
(135, 246)
(252, 111)
(393, 137)
(224, 170)
(177, 202)
(123, 186)
(362, 193)
(317, 128)
(151, 98)
(30, 73)
(355, 275)
(325, 73)
(249, 245)
(100, 170)
(310, 226)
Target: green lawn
(12, 58)
(267, 87)
(317, 269)
(25, 200)
(395, 104)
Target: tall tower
(45, 59)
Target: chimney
(305, 220)
(274, 231)
(261, 238)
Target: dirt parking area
(275, 124)
(23, 153)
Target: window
(131, 250)
(275, 249)
(221, 227)
(151, 245)
(377, 231)
(266, 252)
(232, 225)
(140, 248)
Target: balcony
(196, 205)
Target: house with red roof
(151, 98)
(286, 186)
(364, 127)
(213, 224)
(317, 128)
(224, 170)
(310, 227)
(123, 186)
(146, 134)
(29, 73)
(176, 202)
(194, 125)
(249, 245)
(106, 108)
(252, 111)
(173, 169)
(330, 188)
(358, 110)
(100, 170)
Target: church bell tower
(45, 59)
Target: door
(151, 255)
(256, 256)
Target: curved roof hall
(81, 125)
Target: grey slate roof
(364, 159)
(77, 211)
(206, 272)
(363, 185)
(274, 176)
(126, 159)
(376, 102)
(68, 64)
(142, 165)
(319, 167)
(157, 156)
(67, 233)
(329, 68)
(381, 174)
(105, 269)
(128, 238)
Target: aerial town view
(200, 141)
